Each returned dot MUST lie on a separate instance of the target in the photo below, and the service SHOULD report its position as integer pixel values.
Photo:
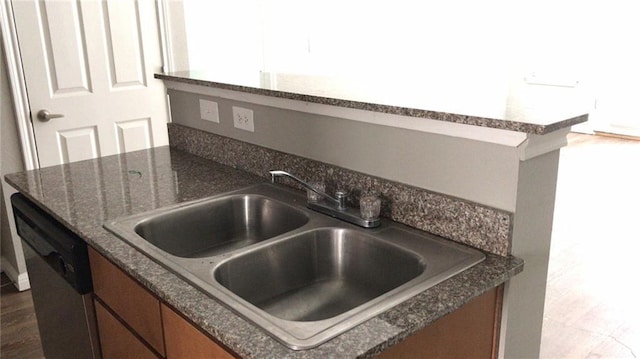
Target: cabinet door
(116, 341)
(183, 340)
(125, 297)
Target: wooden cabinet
(133, 323)
(116, 340)
(183, 340)
(138, 308)
(470, 332)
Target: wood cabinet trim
(128, 299)
(469, 332)
(116, 340)
(185, 340)
(497, 321)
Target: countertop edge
(510, 125)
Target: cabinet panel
(116, 340)
(131, 302)
(183, 340)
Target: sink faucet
(337, 206)
(340, 200)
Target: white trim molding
(20, 280)
(164, 29)
(536, 145)
(173, 36)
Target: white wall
(443, 58)
(617, 71)
(496, 58)
(224, 38)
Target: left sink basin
(213, 226)
(318, 274)
(220, 225)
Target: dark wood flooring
(19, 335)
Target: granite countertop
(83, 195)
(308, 90)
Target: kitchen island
(84, 195)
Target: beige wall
(474, 170)
(10, 159)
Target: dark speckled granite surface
(544, 125)
(83, 195)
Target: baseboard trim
(20, 280)
(617, 135)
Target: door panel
(93, 62)
(63, 41)
(78, 144)
(134, 135)
(122, 31)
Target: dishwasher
(61, 287)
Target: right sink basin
(310, 286)
(318, 274)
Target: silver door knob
(44, 115)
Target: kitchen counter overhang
(83, 195)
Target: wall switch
(243, 118)
(209, 111)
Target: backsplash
(462, 221)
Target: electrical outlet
(209, 111)
(243, 118)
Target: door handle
(44, 115)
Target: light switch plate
(243, 118)
(209, 111)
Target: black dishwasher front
(60, 277)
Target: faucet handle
(370, 206)
(313, 196)
(341, 196)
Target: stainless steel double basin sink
(301, 276)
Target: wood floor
(592, 307)
(18, 327)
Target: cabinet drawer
(185, 341)
(131, 302)
(116, 340)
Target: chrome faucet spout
(334, 206)
(340, 199)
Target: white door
(615, 60)
(616, 113)
(92, 62)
